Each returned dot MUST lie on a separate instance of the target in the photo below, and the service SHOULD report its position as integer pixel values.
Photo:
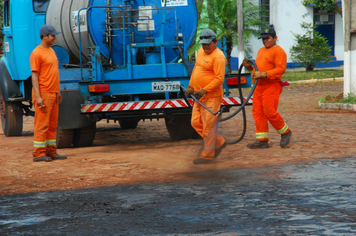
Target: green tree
(310, 47)
(1, 15)
(327, 5)
(221, 16)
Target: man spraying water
(206, 81)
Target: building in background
(287, 15)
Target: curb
(339, 79)
(338, 106)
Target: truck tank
(113, 24)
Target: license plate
(165, 86)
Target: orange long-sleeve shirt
(209, 72)
(273, 61)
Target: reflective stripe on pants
(46, 122)
(264, 110)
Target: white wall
(349, 73)
(339, 38)
(286, 16)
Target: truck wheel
(11, 118)
(179, 127)
(84, 137)
(64, 137)
(126, 123)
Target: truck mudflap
(152, 105)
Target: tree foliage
(221, 16)
(310, 47)
(327, 5)
(1, 15)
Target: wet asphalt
(317, 198)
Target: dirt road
(148, 155)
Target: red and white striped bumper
(151, 105)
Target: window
(265, 11)
(6, 15)
(40, 5)
(322, 17)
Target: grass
(349, 99)
(317, 74)
(321, 74)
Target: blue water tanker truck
(119, 60)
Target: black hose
(184, 61)
(240, 93)
(182, 90)
(207, 108)
(242, 107)
(235, 113)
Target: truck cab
(19, 25)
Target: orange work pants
(206, 125)
(264, 110)
(46, 122)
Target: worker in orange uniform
(46, 96)
(271, 62)
(206, 81)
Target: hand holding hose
(189, 90)
(202, 92)
(259, 75)
(198, 95)
(247, 64)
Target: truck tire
(179, 127)
(64, 137)
(84, 137)
(11, 118)
(127, 123)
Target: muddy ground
(150, 180)
(316, 198)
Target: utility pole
(240, 31)
(349, 16)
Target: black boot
(258, 144)
(59, 157)
(285, 138)
(218, 150)
(202, 161)
(42, 158)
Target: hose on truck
(242, 107)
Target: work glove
(247, 64)
(197, 95)
(259, 75)
(202, 92)
(189, 90)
